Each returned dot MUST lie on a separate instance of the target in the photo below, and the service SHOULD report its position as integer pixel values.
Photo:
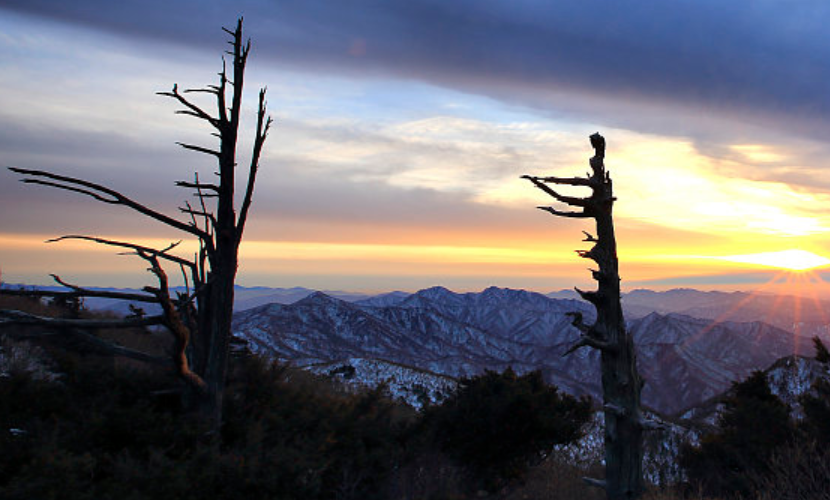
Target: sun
(791, 260)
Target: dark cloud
(757, 60)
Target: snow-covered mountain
(690, 359)
(244, 297)
(804, 316)
(684, 360)
(789, 378)
(405, 383)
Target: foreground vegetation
(78, 425)
(100, 433)
(760, 451)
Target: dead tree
(621, 383)
(200, 319)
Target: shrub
(816, 403)
(754, 423)
(104, 433)
(498, 424)
(797, 471)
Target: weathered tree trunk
(211, 347)
(220, 303)
(621, 383)
(199, 321)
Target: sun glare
(792, 260)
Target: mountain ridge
(463, 334)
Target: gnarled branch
(101, 193)
(192, 109)
(567, 181)
(263, 125)
(122, 244)
(586, 341)
(174, 323)
(577, 321)
(104, 294)
(78, 292)
(10, 317)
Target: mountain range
(685, 360)
(805, 316)
(691, 344)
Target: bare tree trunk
(200, 321)
(621, 383)
(220, 303)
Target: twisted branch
(103, 194)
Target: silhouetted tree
(753, 424)
(817, 412)
(822, 354)
(199, 320)
(499, 423)
(621, 383)
(816, 403)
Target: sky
(402, 128)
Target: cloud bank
(751, 59)
(410, 121)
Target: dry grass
(431, 476)
(27, 304)
(554, 479)
(673, 494)
(557, 480)
(799, 471)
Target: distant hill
(789, 378)
(804, 316)
(685, 360)
(244, 297)
(691, 344)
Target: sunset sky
(402, 127)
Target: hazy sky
(402, 127)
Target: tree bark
(621, 382)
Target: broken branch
(558, 213)
(261, 135)
(192, 109)
(570, 200)
(200, 149)
(577, 322)
(10, 317)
